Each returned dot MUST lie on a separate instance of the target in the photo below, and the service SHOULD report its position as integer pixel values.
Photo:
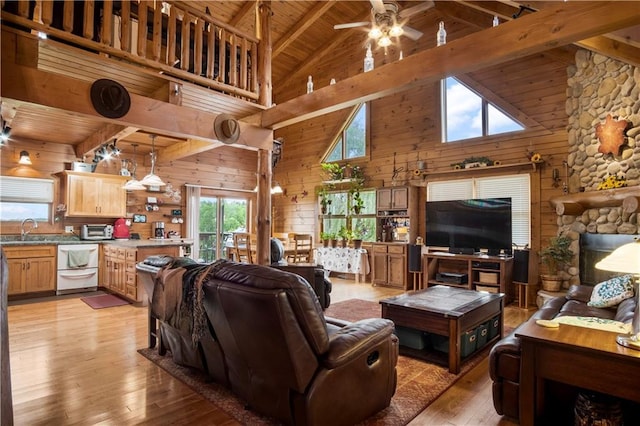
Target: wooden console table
(581, 357)
(488, 273)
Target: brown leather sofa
(263, 334)
(504, 359)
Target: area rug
(104, 301)
(419, 383)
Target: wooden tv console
(484, 273)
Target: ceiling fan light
(384, 41)
(375, 33)
(396, 31)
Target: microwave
(96, 232)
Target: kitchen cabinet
(395, 198)
(119, 273)
(390, 266)
(94, 194)
(396, 209)
(31, 269)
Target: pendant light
(152, 179)
(134, 184)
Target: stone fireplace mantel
(576, 204)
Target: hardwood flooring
(71, 364)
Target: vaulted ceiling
(302, 34)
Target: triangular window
(351, 142)
(467, 115)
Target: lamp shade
(24, 158)
(152, 180)
(624, 259)
(134, 185)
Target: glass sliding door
(219, 218)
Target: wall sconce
(276, 189)
(24, 158)
(5, 134)
(555, 174)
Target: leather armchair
(285, 360)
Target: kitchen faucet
(23, 233)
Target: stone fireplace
(599, 221)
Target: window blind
(26, 190)
(517, 187)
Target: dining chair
(242, 247)
(303, 248)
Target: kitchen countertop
(150, 242)
(56, 239)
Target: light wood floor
(71, 364)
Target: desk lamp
(626, 259)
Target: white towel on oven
(78, 258)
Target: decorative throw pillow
(611, 292)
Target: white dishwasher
(77, 268)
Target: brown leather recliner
(285, 360)
(267, 339)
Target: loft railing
(166, 36)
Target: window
(515, 186)
(339, 214)
(22, 198)
(467, 115)
(351, 142)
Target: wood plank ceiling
(302, 34)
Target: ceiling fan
(388, 21)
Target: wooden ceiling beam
(247, 7)
(180, 150)
(612, 48)
(305, 67)
(607, 44)
(105, 134)
(301, 26)
(29, 85)
(561, 24)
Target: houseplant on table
(557, 254)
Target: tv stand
(485, 273)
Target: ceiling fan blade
(412, 33)
(378, 6)
(406, 13)
(351, 25)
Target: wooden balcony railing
(166, 36)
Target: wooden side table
(523, 290)
(577, 356)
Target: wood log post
(263, 211)
(264, 54)
(6, 406)
(569, 208)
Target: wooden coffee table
(447, 311)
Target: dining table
(344, 259)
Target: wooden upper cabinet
(393, 198)
(94, 195)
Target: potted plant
(357, 203)
(344, 234)
(334, 170)
(557, 254)
(325, 201)
(325, 237)
(356, 238)
(357, 182)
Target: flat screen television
(469, 226)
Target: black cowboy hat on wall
(110, 98)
